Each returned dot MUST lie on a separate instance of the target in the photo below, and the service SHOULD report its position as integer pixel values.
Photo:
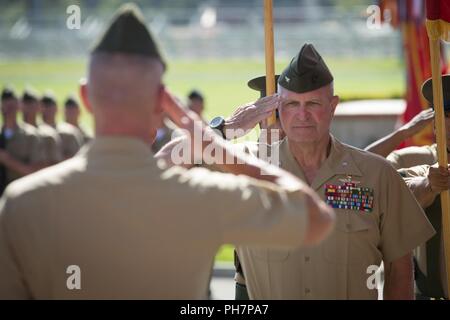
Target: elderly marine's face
(306, 117)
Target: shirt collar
(338, 162)
(117, 145)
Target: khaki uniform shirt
(134, 230)
(421, 252)
(50, 143)
(71, 139)
(338, 267)
(85, 135)
(413, 156)
(23, 145)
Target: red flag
(409, 16)
(440, 10)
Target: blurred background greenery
(223, 82)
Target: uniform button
(307, 291)
(348, 226)
(307, 259)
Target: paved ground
(222, 288)
(222, 282)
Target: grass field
(222, 81)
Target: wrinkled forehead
(318, 94)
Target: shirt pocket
(354, 240)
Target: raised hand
(246, 117)
(419, 122)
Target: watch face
(216, 122)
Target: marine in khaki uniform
(196, 102)
(133, 229)
(51, 143)
(49, 139)
(427, 183)
(378, 218)
(72, 116)
(418, 165)
(71, 138)
(20, 152)
(424, 155)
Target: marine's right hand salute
(321, 216)
(247, 116)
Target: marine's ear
(159, 99)
(158, 110)
(334, 103)
(84, 95)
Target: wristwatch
(218, 124)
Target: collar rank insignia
(349, 196)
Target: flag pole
(270, 55)
(434, 34)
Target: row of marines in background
(32, 144)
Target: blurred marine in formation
(71, 137)
(20, 152)
(49, 138)
(72, 116)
